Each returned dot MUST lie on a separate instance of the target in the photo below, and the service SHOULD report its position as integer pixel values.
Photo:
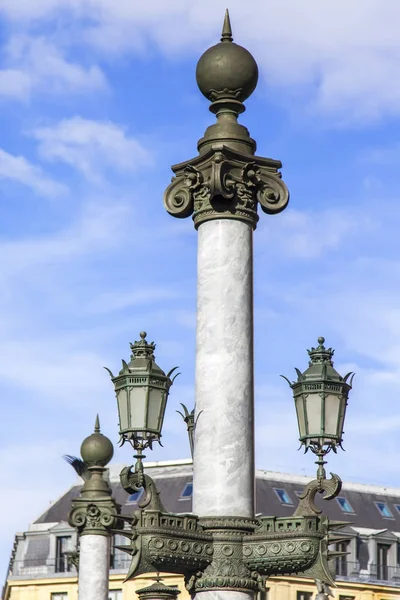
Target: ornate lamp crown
(320, 354)
(143, 349)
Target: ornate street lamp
(142, 390)
(320, 397)
(222, 547)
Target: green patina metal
(190, 421)
(142, 390)
(227, 180)
(158, 590)
(95, 512)
(234, 553)
(321, 395)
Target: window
(135, 496)
(397, 507)
(59, 596)
(187, 491)
(346, 597)
(345, 505)
(114, 594)
(304, 595)
(382, 561)
(118, 558)
(283, 496)
(341, 561)
(384, 510)
(63, 544)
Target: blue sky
(97, 100)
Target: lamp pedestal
(94, 513)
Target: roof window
(283, 496)
(187, 491)
(345, 505)
(384, 510)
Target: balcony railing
(373, 574)
(39, 567)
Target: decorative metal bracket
(331, 487)
(227, 552)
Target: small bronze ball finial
(97, 449)
(227, 71)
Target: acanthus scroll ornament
(225, 185)
(93, 517)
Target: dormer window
(344, 505)
(384, 510)
(187, 491)
(283, 496)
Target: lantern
(142, 391)
(320, 397)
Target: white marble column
(94, 565)
(223, 464)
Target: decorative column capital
(94, 516)
(223, 183)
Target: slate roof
(171, 479)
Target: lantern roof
(320, 365)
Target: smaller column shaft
(94, 564)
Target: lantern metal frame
(142, 372)
(321, 379)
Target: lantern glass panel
(332, 413)
(300, 416)
(155, 409)
(122, 399)
(343, 404)
(314, 410)
(138, 406)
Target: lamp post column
(221, 189)
(224, 437)
(94, 513)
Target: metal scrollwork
(273, 195)
(224, 184)
(331, 487)
(93, 518)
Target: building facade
(42, 559)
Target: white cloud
(18, 169)
(346, 67)
(89, 146)
(95, 230)
(37, 65)
(310, 235)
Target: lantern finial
(143, 349)
(320, 354)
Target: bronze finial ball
(97, 449)
(227, 70)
